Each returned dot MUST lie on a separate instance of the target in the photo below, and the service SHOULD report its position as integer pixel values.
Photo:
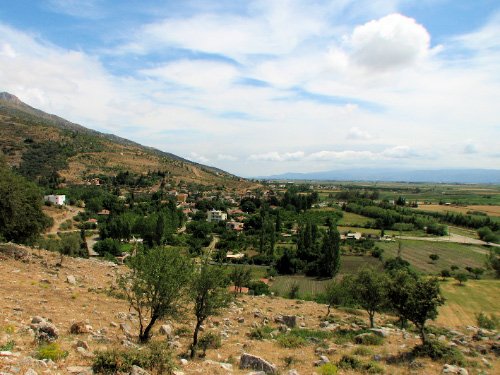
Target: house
(231, 255)
(103, 212)
(55, 199)
(216, 216)
(235, 225)
(353, 236)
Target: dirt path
(60, 216)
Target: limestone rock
(249, 361)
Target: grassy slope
(464, 302)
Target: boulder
(43, 329)
(290, 320)
(79, 328)
(450, 369)
(249, 361)
(70, 279)
(136, 370)
(166, 329)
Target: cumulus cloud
(393, 41)
(198, 158)
(276, 156)
(400, 152)
(470, 148)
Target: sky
(268, 86)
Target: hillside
(78, 153)
(81, 291)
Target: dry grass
(489, 210)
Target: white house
(55, 199)
(216, 216)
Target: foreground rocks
(249, 361)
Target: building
(55, 199)
(216, 216)
(235, 225)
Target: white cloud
(400, 152)
(276, 156)
(7, 50)
(357, 133)
(470, 148)
(198, 158)
(393, 41)
(226, 157)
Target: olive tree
(209, 294)
(156, 286)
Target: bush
(261, 333)
(51, 351)
(8, 346)
(369, 339)
(362, 351)
(108, 246)
(348, 362)
(210, 340)
(373, 368)
(293, 293)
(328, 369)
(438, 351)
(155, 356)
(291, 341)
(487, 323)
(259, 288)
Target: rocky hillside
(76, 305)
(76, 152)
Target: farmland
(417, 253)
(464, 302)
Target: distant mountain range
(465, 176)
(80, 152)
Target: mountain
(465, 176)
(78, 153)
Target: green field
(310, 287)
(417, 253)
(464, 302)
(354, 220)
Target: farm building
(55, 199)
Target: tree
(329, 261)
(334, 295)
(209, 295)
(368, 289)
(21, 215)
(477, 272)
(445, 273)
(461, 277)
(434, 258)
(156, 285)
(424, 297)
(401, 284)
(240, 277)
(70, 245)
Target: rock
(136, 370)
(113, 324)
(377, 357)
(80, 370)
(249, 361)
(184, 361)
(125, 328)
(84, 353)
(225, 366)
(290, 320)
(382, 332)
(442, 338)
(70, 279)
(30, 372)
(323, 360)
(450, 369)
(241, 320)
(293, 372)
(178, 372)
(174, 344)
(7, 353)
(166, 329)
(43, 329)
(79, 328)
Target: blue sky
(263, 87)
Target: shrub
(259, 288)
(8, 346)
(261, 333)
(438, 351)
(293, 293)
(328, 369)
(310, 334)
(348, 362)
(291, 341)
(51, 351)
(373, 368)
(210, 340)
(362, 351)
(369, 339)
(487, 323)
(155, 356)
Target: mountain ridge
(444, 175)
(21, 125)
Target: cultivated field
(417, 253)
(464, 302)
(489, 210)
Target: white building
(55, 199)
(216, 216)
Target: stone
(249, 361)
(451, 369)
(113, 324)
(324, 324)
(184, 361)
(70, 279)
(223, 365)
(380, 332)
(43, 329)
(79, 328)
(290, 320)
(136, 370)
(241, 320)
(323, 360)
(30, 371)
(125, 328)
(80, 370)
(166, 329)
(293, 372)
(84, 353)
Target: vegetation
(51, 351)
(483, 321)
(156, 285)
